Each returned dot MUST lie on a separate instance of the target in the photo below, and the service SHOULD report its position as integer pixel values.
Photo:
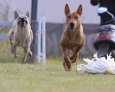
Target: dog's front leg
(29, 51)
(11, 46)
(66, 62)
(75, 54)
(11, 41)
(15, 52)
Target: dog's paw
(73, 58)
(65, 67)
(67, 64)
(12, 50)
(16, 56)
(30, 53)
(23, 62)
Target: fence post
(41, 51)
(44, 40)
(39, 40)
(34, 28)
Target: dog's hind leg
(75, 54)
(26, 50)
(75, 58)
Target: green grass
(17, 77)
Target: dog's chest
(22, 35)
(74, 41)
(23, 38)
(72, 36)
(72, 44)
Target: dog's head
(22, 20)
(73, 18)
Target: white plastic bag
(98, 65)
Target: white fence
(5, 24)
(41, 51)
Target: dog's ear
(79, 10)
(67, 10)
(16, 14)
(27, 14)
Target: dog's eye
(26, 22)
(76, 17)
(69, 17)
(25, 18)
(19, 18)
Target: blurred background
(53, 10)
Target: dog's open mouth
(22, 24)
(72, 28)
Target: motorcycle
(104, 41)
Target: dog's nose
(22, 19)
(71, 24)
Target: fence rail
(5, 24)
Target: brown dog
(21, 35)
(73, 37)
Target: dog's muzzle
(72, 25)
(22, 22)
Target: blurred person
(110, 5)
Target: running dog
(73, 37)
(21, 35)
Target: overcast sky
(54, 9)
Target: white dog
(21, 35)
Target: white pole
(43, 40)
(39, 40)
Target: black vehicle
(104, 41)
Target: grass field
(17, 77)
